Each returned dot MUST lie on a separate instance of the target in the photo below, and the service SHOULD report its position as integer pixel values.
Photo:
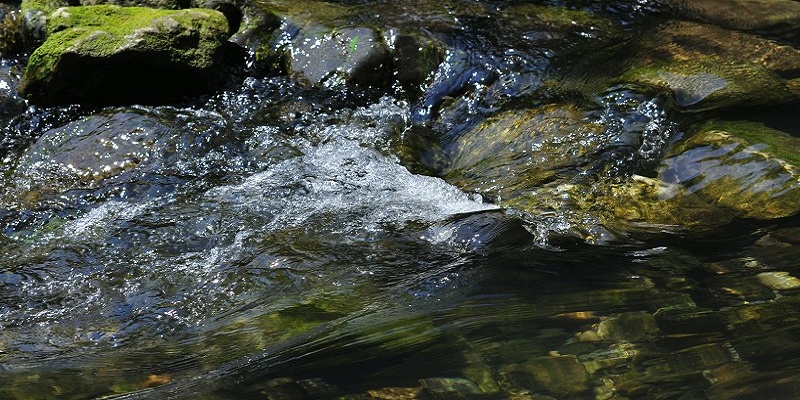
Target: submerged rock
(561, 376)
(745, 167)
(551, 162)
(81, 155)
(518, 150)
(706, 67)
(112, 54)
(747, 15)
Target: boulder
(35, 12)
(551, 161)
(745, 167)
(112, 54)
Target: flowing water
(274, 241)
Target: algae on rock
(745, 167)
(707, 67)
(112, 54)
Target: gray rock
(331, 57)
(81, 155)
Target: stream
(275, 240)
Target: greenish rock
(706, 67)
(451, 388)
(112, 54)
(521, 149)
(629, 327)
(744, 167)
(532, 161)
(745, 15)
(81, 155)
(779, 280)
(605, 211)
(554, 21)
(11, 31)
(560, 376)
(36, 12)
(163, 4)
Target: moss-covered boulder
(112, 54)
(35, 12)
(706, 67)
(745, 167)
(606, 210)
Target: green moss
(556, 17)
(304, 12)
(100, 30)
(711, 83)
(779, 144)
(47, 6)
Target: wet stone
(11, 30)
(787, 235)
(759, 16)
(679, 320)
(779, 280)
(706, 67)
(557, 376)
(518, 150)
(632, 327)
(82, 154)
(414, 57)
(745, 167)
(449, 388)
(331, 57)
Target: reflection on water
(276, 241)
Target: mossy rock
(539, 162)
(112, 54)
(520, 149)
(706, 67)
(554, 21)
(36, 12)
(745, 167)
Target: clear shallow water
(277, 242)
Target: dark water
(278, 242)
